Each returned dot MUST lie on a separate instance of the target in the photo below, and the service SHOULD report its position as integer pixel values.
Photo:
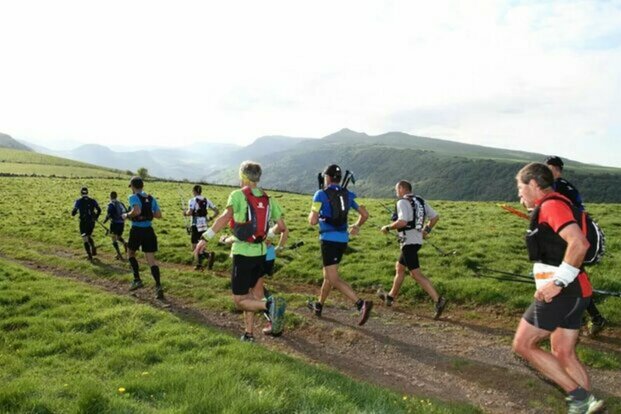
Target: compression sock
(359, 304)
(579, 394)
(594, 312)
(155, 272)
(134, 264)
(87, 247)
(92, 243)
(116, 247)
(201, 257)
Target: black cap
(554, 160)
(136, 182)
(84, 191)
(333, 171)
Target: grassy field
(28, 163)
(480, 233)
(66, 348)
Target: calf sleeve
(155, 272)
(134, 264)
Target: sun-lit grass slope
(480, 233)
(18, 162)
(64, 347)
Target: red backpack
(256, 226)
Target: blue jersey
(115, 209)
(327, 231)
(134, 200)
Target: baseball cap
(136, 182)
(84, 191)
(333, 171)
(554, 160)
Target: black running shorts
(409, 256)
(268, 267)
(245, 273)
(196, 235)
(87, 227)
(117, 228)
(563, 312)
(142, 237)
(332, 252)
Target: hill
(19, 162)
(6, 141)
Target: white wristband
(566, 273)
(209, 234)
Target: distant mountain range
(6, 141)
(439, 169)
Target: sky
(529, 75)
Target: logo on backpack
(418, 209)
(339, 207)
(256, 226)
(545, 245)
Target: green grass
(65, 347)
(19, 162)
(480, 232)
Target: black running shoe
(365, 312)
(316, 307)
(385, 297)
(136, 284)
(440, 305)
(595, 326)
(159, 293)
(246, 337)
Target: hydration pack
(86, 208)
(201, 211)
(548, 247)
(256, 226)
(339, 206)
(146, 211)
(418, 210)
(119, 210)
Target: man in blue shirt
(117, 223)
(143, 209)
(89, 213)
(564, 187)
(329, 210)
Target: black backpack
(202, 208)
(418, 208)
(539, 239)
(339, 206)
(86, 207)
(146, 211)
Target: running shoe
(246, 337)
(385, 297)
(277, 307)
(589, 405)
(159, 292)
(136, 284)
(440, 305)
(316, 307)
(595, 326)
(211, 258)
(365, 312)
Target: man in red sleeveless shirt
(557, 245)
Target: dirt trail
(454, 359)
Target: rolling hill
(6, 141)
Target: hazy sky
(529, 75)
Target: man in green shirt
(251, 210)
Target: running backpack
(146, 211)
(539, 238)
(339, 206)
(87, 209)
(119, 210)
(202, 208)
(418, 209)
(256, 226)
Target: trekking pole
(514, 211)
(105, 228)
(514, 277)
(442, 252)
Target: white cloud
(521, 75)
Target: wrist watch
(558, 283)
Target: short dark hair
(405, 184)
(84, 191)
(113, 195)
(334, 172)
(136, 182)
(538, 172)
(197, 189)
(555, 160)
